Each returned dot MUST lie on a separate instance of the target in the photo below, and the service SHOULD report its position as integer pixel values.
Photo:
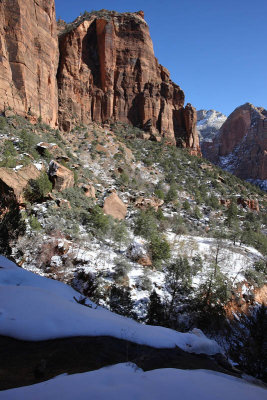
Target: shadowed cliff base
(26, 363)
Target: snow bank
(126, 381)
(37, 308)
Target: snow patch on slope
(37, 308)
(127, 381)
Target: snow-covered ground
(100, 259)
(233, 260)
(127, 381)
(37, 308)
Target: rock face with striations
(108, 72)
(29, 58)
(241, 144)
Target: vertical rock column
(29, 58)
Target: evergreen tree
(120, 301)
(155, 311)
(231, 213)
(178, 280)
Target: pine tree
(155, 312)
(120, 301)
(231, 213)
(178, 280)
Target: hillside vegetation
(190, 252)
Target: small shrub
(124, 179)
(2, 123)
(186, 205)
(159, 248)
(145, 283)
(159, 194)
(121, 270)
(99, 221)
(172, 193)
(28, 142)
(255, 277)
(37, 189)
(145, 224)
(120, 301)
(34, 223)
(213, 202)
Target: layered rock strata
(241, 145)
(108, 72)
(29, 58)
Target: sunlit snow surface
(126, 381)
(37, 308)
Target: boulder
(60, 176)
(115, 207)
(144, 203)
(145, 261)
(252, 204)
(53, 148)
(225, 202)
(63, 203)
(88, 189)
(245, 203)
(13, 182)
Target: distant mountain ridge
(240, 144)
(209, 123)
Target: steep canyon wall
(106, 72)
(29, 58)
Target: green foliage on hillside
(37, 189)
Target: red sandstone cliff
(29, 58)
(241, 145)
(108, 72)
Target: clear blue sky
(216, 50)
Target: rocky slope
(108, 72)
(29, 58)
(240, 147)
(108, 245)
